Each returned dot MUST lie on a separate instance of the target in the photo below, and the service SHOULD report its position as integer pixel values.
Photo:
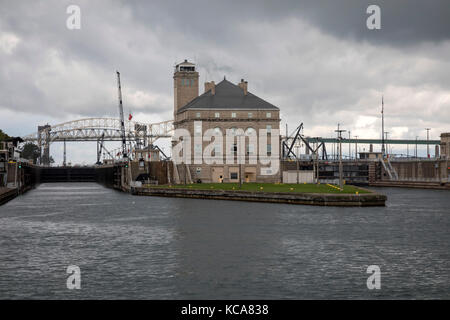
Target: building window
(269, 128)
(217, 131)
(250, 115)
(250, 131)
(217, 115)
(197, 115)
(233, 114)
(233, 131)
(198, 149)
(217, 150)
(268, 115)
(233, 175)
(192, 82)
(250, 149)
(234, 149)
(182, 82)
(269, 149)
(198, 128)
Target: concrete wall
(303, 176)
(420, 170)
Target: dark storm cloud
(404, 22)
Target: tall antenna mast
(382, 127)
(122, 121)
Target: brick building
(223, 106)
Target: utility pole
(64, 159)
(382, 127)
(416, 146)
(317, 161)
(428, 138)
(339, 132)
(356, 147)
(387, 145)
(296, 158)
(240, 176)
(349, 146)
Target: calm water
(164, 248)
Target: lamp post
(239, 156)
(339, 132)
(356, 147)
(349, 146)
(428, 138)
(416, 145)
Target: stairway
(392, 173)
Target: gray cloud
(316, 60)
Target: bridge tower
(44, 144)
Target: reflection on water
(164, 248)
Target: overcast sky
(315, 60)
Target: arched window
(250, 131)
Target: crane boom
(122, 121)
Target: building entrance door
(217, 175)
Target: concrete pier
(7, 194)
(318, 199)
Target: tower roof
(185, 63)
(228, 96)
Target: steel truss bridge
(145, 134)
(317, 145)
(372, 141)
(96, 129)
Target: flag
(130, 117)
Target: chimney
(243, 85)
(210, 86)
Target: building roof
(228, 96)
(185, 63)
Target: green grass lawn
(269, 187)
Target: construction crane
(122, 121)
(287, 148)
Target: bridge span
(96, 129)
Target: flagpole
(382, 127)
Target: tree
(43, 159)
(30, 151)
(3, 136)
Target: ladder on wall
(390, 170)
